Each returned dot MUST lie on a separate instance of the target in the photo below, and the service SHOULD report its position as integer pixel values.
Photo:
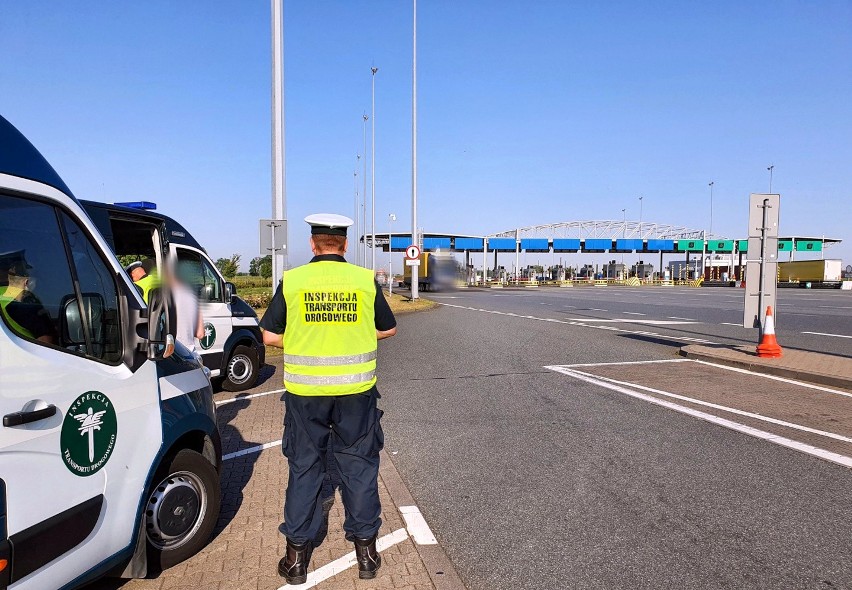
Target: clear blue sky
(530, 112)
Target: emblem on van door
(88, 433)
(209, 336)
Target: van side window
(101, 327)
(197, 272)
(35, 281)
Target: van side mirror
(230, 292)
(161, 342)
(76, 322)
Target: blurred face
(137, 273)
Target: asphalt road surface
(537, 479)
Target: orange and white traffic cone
(768, 346)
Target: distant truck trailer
(824, 272)
(436, 272)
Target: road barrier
(768, 347)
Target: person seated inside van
(144, 276)
(21, 309)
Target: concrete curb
(758, 367)
(441, 570)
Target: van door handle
(18, 418)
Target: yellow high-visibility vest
(146, 283)
(330, 340)
(7, 296)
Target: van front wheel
(242, 369)
(182, 509)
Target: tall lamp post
(364, 199)
(770, 168)
(639, 257)
(414, 284)
(391, 219)
(623, 235)
(711, 206)
(357, 216)
(373, 177)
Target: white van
(232, 347)
(109, 451)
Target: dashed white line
(761, 434)
(344, 563)
(634, 313)
(672, 317)
(826, 334)
(631, 321)
(595, 309)
(582, 324)
(416, 525)
(240, 398)
(730, 324)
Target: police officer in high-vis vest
(328, 316)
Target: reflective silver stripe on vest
(329, 379)
(329, 361)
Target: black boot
(369, 560)
(294, 565)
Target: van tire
(186, 482)
(241, 370)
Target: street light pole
(364, 201)
(623, 234)
(279, 196)
(415, 287)
(771, 168)
(373, 177)
(391, 219)
(711, 206)
(357, 216)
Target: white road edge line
(699, 402)
(634, 313)
(774, 438)
(826, 334)
(236, 399)
(416, 525)
(776, 378)
(251, 450)
(671, 317)
(342, 564)
(628, 363)
(730, 324)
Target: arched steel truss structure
(612, 229)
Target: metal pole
(373, 178)
(414, 285)
(771, 168)
(279, 198)
(274, 262)
(364, 200)
(391, 219)
(357, 217)
(711, 207)
(517, 254)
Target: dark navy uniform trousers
(349, 427)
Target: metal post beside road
(414, 285)
(273, 239)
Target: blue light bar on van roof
(146, 205)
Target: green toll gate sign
(690, 245)
(720, 246)
(808, 246)
(785, 245)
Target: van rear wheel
(182, 509)
(242, 369)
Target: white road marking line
(595, 309)
(671, 317)
(581, 324)
(236, 399)
(699, 402)
(761, 434)
(251, 450)
(416, 525)
(730, 324)
(833, 307)
(628, 363)
(632, 321)
(342, 564)
(776, 378)
(825, 334)
(634, 313)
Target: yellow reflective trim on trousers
(330, 361)
(328, 379)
